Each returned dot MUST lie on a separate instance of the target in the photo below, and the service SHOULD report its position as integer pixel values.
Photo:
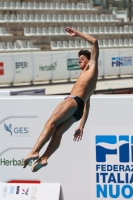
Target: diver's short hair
(85, 53)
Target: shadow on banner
(28, 92)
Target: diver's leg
(62, 112)
(54, 144)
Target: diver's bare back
(86, 83)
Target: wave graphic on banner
(103, 149)
(111, 146)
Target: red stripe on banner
(25, 181)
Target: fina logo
(121, 61)
(110, 145)
(17, 131)
(116, 62)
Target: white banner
(101, 63)
(41, 191)
(6, 68)
(42, 66)
(77, 166)
(60, 65)
(18, 129)
(23, 66)
(126, 61)
(73, 65)
(111, 64)
(61, 72)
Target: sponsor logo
(25, 191)
(121, 61)
(1, 68)
(100, 63)
(4, 191)
(34, 190)
(73, 64)
(13, 162)
(33, 198)
(21, 65)
(17, 131)
(48, 67)
(12, 189)
(18, 189)
(114, 166)
(8, 128)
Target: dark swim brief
(79, 112)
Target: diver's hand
(71, 31)
(78, 134)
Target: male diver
(73, 108)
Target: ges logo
(121, 145)
(17, 131)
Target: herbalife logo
(17, 131)
(48, 67)
(13, 162)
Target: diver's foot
(38, 165)
(30, 157)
